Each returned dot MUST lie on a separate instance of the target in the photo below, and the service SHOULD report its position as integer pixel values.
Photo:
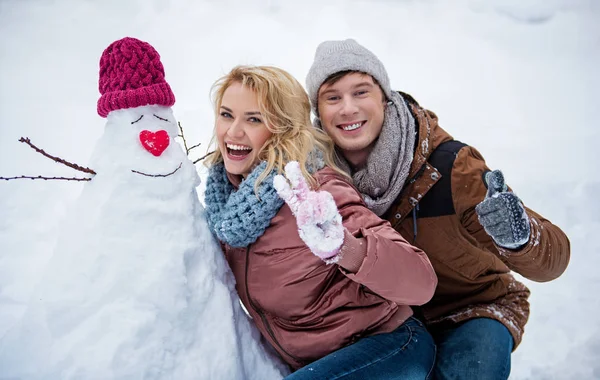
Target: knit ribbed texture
(383, 176)
(131, 75)
(334, 56)
(239, 218)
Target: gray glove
(502, 214)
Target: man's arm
(543, 257)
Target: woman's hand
(318, 219)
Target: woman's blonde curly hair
(285, 108)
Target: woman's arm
(377, 256)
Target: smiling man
(440, 195)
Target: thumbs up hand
(502, 214)
(318, 219)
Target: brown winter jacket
(307, 309)
(445, 184)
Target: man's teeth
(351, 127)
(238, 147)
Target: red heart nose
(155, 142)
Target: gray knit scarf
(381, 179)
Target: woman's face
(241, 131)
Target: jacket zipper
(415, 212)
(262, 315)
(417, 174)
(410, 181)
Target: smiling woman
(241, 133)
(324, 279)
(251, 126)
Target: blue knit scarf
(238, 218)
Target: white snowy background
(518, 79)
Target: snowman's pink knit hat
(131, 75)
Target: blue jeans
(476, 349)
(405, 353)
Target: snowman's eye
(133, 122)
(160, 118)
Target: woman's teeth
(238, 150)
(352, 127)
(238, 147)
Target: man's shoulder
(430, 134)
(408, 98)
(444, 155)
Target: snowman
(137, 287)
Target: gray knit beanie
(335, 56)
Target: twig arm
(46, 178)
(27, 141)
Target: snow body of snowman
(137, 287)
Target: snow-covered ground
(518, 79)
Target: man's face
(352, 112)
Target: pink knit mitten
(319, 222)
